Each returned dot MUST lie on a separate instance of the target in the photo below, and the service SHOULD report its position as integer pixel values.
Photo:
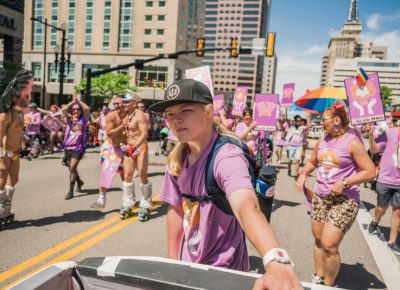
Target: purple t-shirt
(34, 127)
(295, 136)
(252, 144)
(211, 237)
(389, 172)
(335, 163)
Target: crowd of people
(205, 154)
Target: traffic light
(201, 42)
(270, 51)
(162, 85)
(234, 47)
(154, 83)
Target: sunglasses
(76, 109)
(327, 118)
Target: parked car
(316, 132)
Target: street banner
(365, 101)
(265, 112)
(287, 98)
(239, 101)
(218, 103)
(51, 123)
(201, 74)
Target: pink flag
(239, 101)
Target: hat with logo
(130, 96)
(182, 92)
(33, 105)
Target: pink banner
(287, 98)
(265, 112)
(51, 123)
(201, 74)
(218, 103)
(365, 102)
(239, 101)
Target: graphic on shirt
(329, 164)
(191, 221)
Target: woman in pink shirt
(211, 236)
(244, 130)
(343, 164)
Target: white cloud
(390, 39)
(373, 21)
(302, 67)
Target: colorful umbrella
(321, 99)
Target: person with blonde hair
(343, 164)
(198, 231)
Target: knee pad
(146, 190)
(128, 197)
(9, 191)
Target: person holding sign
(343, 164)
(201, 233)
(244, 130)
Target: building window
(88, 30)
(37, 28)
(106, 25)
(37, 71)
(149, 3)
(54, 70)
(54, 22)
(147, 45)
(160, 31)
(126, 25)
(159, 45)
(152, 74)
(161, 4)
(148, 18)
(147, 31)
(161, 17)
(71, 23)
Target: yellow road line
(85, 245)
(38, 258)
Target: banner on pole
(365, 103)
(265, 111)
(287, 98)
(218, 103)
(239, 101)
(201, 74)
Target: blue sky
(304, 27)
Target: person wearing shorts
(388, 185)
(295, 140)
(343, 164)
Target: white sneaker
(100, 203)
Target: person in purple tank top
(198, 231)
(279, 139)
(388, 183)
(343, 164)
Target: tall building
(348, 46)
(106, 33)
(226, 19)
(11, 32)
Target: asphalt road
(49, 229)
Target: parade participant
(77, 114)
(56, 137)
(388, 183)
(101, 120)
(136, 155)
(244, 130)
(279, 139)
(112, 150)
(343, 164)
(15, 97)
(34, 120)
(295, 137)
(209, 235)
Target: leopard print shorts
(338, 210)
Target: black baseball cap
(182, 92)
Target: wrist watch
(277, 255)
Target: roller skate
(144, 214)
(6, 220)
(126, 212)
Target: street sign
(258, 46)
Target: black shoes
(373, 228)
(70, 193)
(79, 184)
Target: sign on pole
(287, 98)
(265, 111)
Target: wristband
(2, 153)
(278, 255)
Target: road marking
(50, 252)
(87, 244)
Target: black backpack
(214, 193)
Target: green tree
(386, 93)
(108, 85)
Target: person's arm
(366, 170)
(308, 168)
(243, 136)
(142, 124)
(174, 231)
(43, 111)
(85, 108)
(246, 208)
(112, 131)
(65, 109)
